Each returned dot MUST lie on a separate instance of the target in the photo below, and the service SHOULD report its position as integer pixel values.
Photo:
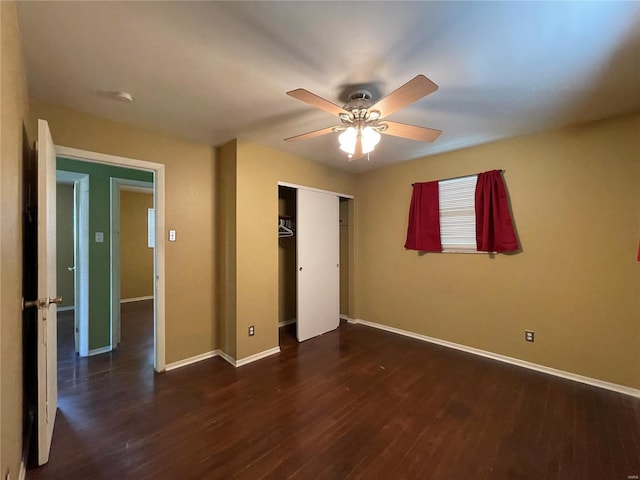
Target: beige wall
(258, 171)
(136, 258)
(190, 206)
(575, 195)
(64, 243)
(14, 111)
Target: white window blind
(458, 214)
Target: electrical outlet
(529, 335)
(252, 331)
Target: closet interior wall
(287, 294)
(345, 246)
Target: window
(458, 214)
(465, 214)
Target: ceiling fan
(361, 119)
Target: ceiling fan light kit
(348, 139)
(360, 127)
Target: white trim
(130, 187)
(344, 317)
(158, 170)
(227, 357)
(22, 474)
(65, 309)
(503, 358)
(80, 182)
(136, 299)
(284, 323)
(303, 187)
(98, 351)
(224, 356)
(257, 356)
(81, 259)
(189, 361)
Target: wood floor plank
(356, 403)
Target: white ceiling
(213, 71)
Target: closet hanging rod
(455, 178)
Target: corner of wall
(14, 114)
(225, 199)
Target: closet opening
(287, 294)
(314, 245)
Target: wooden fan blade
(421, 134)
(305, 136)
(316, 101)
(416, 88)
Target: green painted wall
(99, 279)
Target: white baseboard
(224, 356)
(136, 299)
(189, 361)
(98, 351)
(65, 309)
(250, 358)
(257, 356)
(286, 322)
(227, 357)
(503, 358)
(22, 474)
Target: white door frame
(80, 183)
(304, 187)
(116, 185)
(158, 170)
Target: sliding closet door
(318, 245)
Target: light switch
(172, 235)
(99, 237)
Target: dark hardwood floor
(354, 403)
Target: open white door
(318, 245)
(47, 301)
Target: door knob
(41, 302)
(31, 303)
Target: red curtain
(423, 232)
(494, 226)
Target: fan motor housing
(360, 98)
